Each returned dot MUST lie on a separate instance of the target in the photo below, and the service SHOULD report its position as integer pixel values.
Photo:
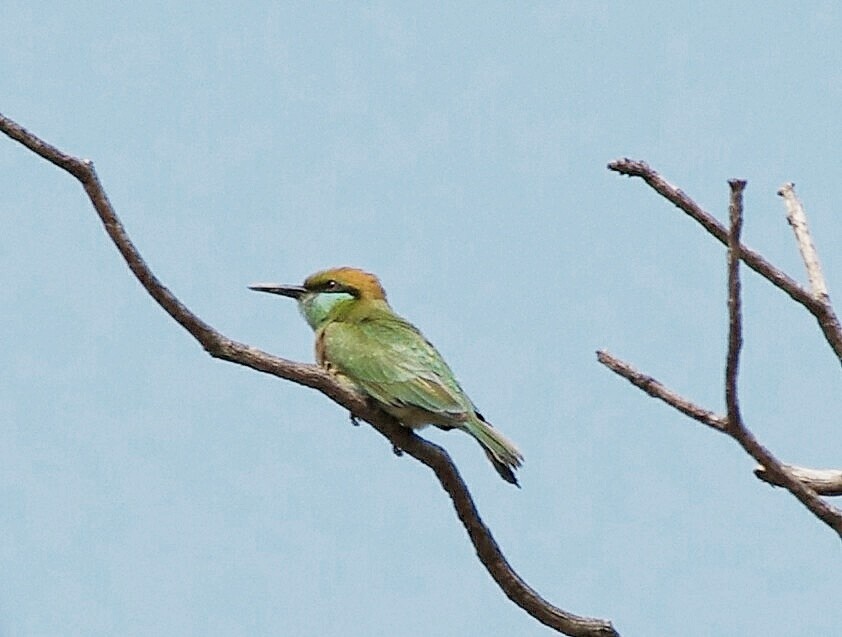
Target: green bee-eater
(361, 338)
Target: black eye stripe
(330, 285)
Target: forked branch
(402, 438)
(819, 308)
(736, 428)
(822, 481)
(805, 485)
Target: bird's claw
(397, 450)
(354, 419)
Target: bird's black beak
(292, 291)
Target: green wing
(392, 362)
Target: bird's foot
(355, 420)
(397, 450)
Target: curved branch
(402, 438)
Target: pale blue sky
(460, 153)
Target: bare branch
(797, 218)
(657, 390)
(676, 196)
(823, 312)
(822, 481)
(777, 473)
(733, 425)
(402, 438)
(735, 318)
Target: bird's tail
(502, 452)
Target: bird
(361, 338)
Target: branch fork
(807, 485)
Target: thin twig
(823, 312)
(797, 218)
(224, 348)
(735, 316)
(657, 390)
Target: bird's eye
(330, 285)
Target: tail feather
(501, 451)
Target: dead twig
(822, 481)
(658, 390)
(797, 218)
